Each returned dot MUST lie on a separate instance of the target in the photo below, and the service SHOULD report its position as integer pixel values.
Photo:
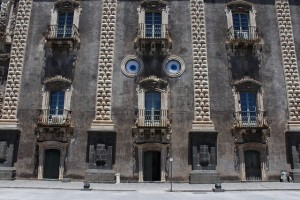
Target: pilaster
(202, 121)
(289, 59)
(17, 57)
(103, 119)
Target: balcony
(152, 136)
(153, 38)
(62, 33)
(153, 31)
(54, 117)
(152, 118)
(246, 35)
(251, 119)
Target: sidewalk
(177, 187)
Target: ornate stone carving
(289, 58)
(105, 64)
(100, 157)
(201, 87)
(11, 96)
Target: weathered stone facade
(121, 86)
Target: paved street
(49, 190)
(50, 194)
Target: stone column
(103, 119)
(140, 157)
(289, 59)
(17, 57)
(242, 164)
(41, 161)
(163, 156)
(202, 119)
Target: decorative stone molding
(105, 66)
(43, 146)
(202, 119)
(11, 97)
(289, 60)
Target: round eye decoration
(173, 66)
(131, 66)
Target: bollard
(117, 178)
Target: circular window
(131, 66)
(173, 66)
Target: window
(241, 25)
(241, 21)
(153, 24)
(64, 24)
(249, 111)
(153, 19)
(152, 108)
(248, 108)
(64, 21)
(56, 102)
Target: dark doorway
(152, 166)
(51, 164)
(252, 165)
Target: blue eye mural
(173, 66)
(133, 67)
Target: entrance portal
(152, 168)
(51, 163)
(252, 165)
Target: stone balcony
(152, 39)
(60, 35)
(54, 117)
(250, 119)
(249, 35)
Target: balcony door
(57, 99)
(248, 108)
(64, 24)
(241, 25)
(153, 24)
(152, 108)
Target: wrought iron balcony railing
(152, 118)
(54, 117)
(244, 34)
(250, 119)
(57, 32)
(153, 31)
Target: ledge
(9, 124)
(104, 125)
(203, 126)
(293, 126)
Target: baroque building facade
(97, 87)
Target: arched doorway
(51, 164)
(152, 166)
(252, 165)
